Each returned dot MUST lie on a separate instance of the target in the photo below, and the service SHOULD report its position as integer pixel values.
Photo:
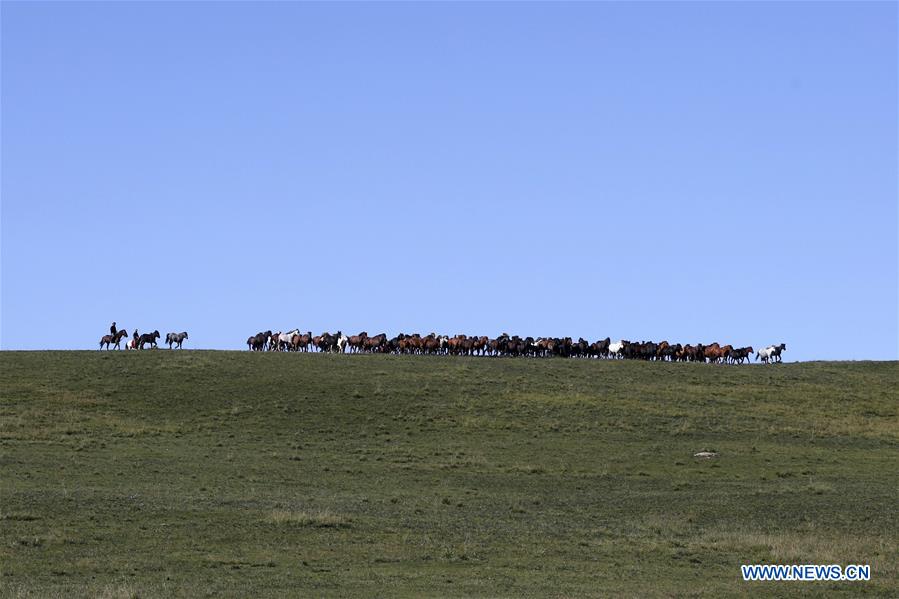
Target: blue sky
(680, 171)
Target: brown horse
(600, 349)
(430, 344)
(725, 352)
(414, 343)
(480, 345)
(301, 342)
(712, 352)
(376, 343)
(357, 342)
(738, 355)
(113, 340)
(317, 341)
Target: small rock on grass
(706, 454)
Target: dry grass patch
(802, 548)
(312, 519)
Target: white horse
(341, 342)
(283, 339)
(615, 348)
(763, 354)
(771, 353)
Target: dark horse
(175, 338)
(148, 338)
(259, 341)
(113, 340)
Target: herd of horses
(508, 345)
(464, 345)
(137, 341)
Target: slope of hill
(202, 473)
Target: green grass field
(203, 473)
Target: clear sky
(693, 172)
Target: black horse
(148, 338)
(258, 341)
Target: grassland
(235, 474)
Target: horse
(113, 340)
(616, 348)
(175, 338)
(601, 348)
(376, 343)
(326, 341)
(148, 338)
(776, 350)
(770, 352)
(318, 341)
(331, 343)
(273, 343)
(258, 341)
(357, 342)
(692, 353)
(712, 352)
(738, 355)
(282, 340)
(494, 346)
(479, 345)
(725, 353)
(665, 350)
(298, 341)
(581, 348)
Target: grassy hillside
(242, 474)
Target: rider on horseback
(112, 329)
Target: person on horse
(135, 337)
(112, 329)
